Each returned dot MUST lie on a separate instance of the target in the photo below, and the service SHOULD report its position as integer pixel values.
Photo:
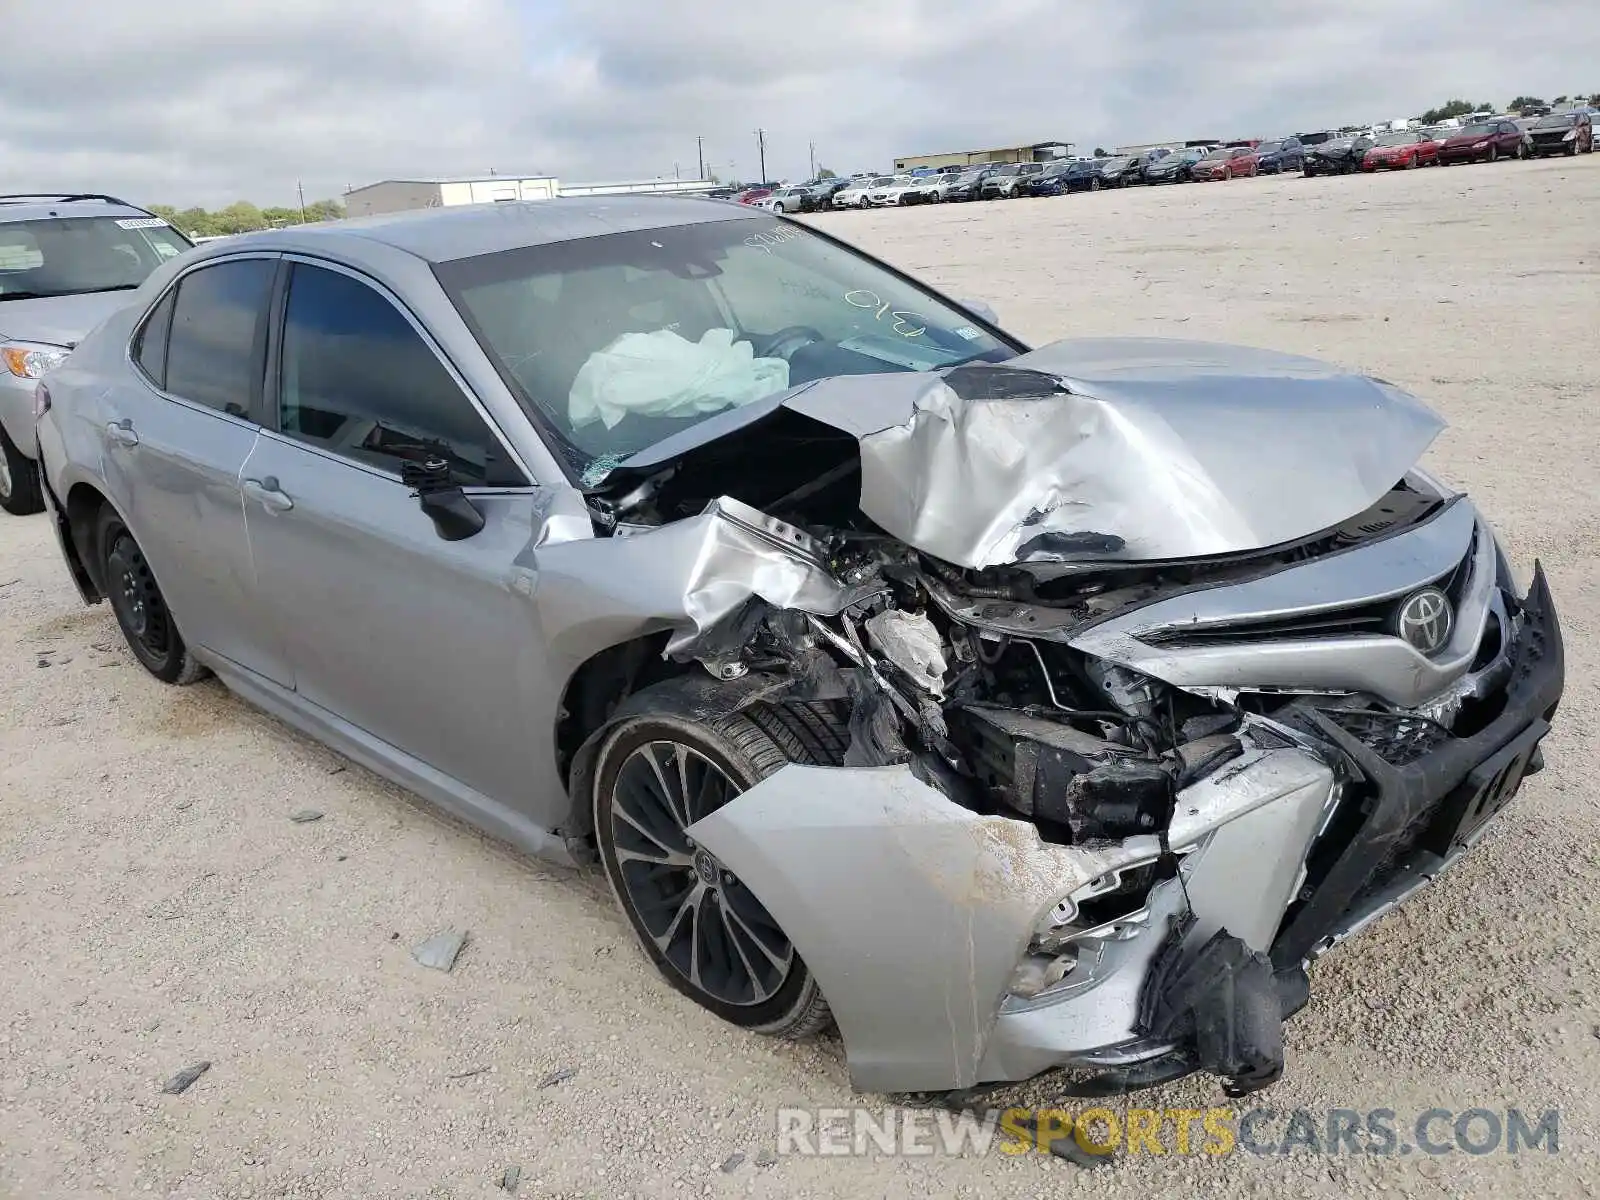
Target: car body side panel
(178, 490)
(913, 912)
(425, 644)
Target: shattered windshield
(613, 343)
(67, 256)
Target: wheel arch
(591, 697)
(81, 508)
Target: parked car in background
(755, 195)
(855, 195)
(790, 200)
(1177, 167)
(1225, 162)
(1119, 171)
(1082, 175)
(965, 185)
(740, 643)
(1047, 182)
(1485, 141)
(902, 190)
(67, 261)
(1010, 181)
(1562, 133)
(935, 188)
(1402, 151)
(1337, 156)
(825, 190)
(1279, 155)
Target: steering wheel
(786, 341)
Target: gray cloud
(211, 101)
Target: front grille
(1397, 738)
(1371, 618)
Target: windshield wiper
(26, 295)
(115, 287)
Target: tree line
(1460, 108)
(242, 217)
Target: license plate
(1492, 784)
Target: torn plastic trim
(914, 913)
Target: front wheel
(20, 494)
(141, 610)
(708, 934)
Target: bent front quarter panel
(911, 911)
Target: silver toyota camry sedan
(1011, 709)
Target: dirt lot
(158, 907)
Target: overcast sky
(208, 101)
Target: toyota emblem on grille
(1425, 620)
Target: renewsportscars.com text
(1212, 1131)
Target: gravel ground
(159, 908)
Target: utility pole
(813, 148)
(301, 188)
(700, 153)
(761, 148)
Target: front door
(428, 645)
(175, 437)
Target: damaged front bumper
(951, 944)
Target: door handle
(268, 494)
(122, 432)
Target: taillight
(41, 401)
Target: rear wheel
(706, 932)
(141, 610)
(20, 494)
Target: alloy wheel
(702, 919)
(5, 476)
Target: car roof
(445, 234)
(38, 207)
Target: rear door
(175, 438)
(425, 644)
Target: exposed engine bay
(1230, 757)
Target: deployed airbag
(662, 374)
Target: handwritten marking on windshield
(767, 239)
(903, 321)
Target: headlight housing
(1483, 145)
(1571, 135)
(30, 360)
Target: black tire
(141, 610)
(20, 493)
(743, 749)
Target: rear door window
(150, 343)
(216, 351)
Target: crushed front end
(1097, 812)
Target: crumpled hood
(1122, 449)
(58, 320)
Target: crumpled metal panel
(686, 576)
(1169, 449)
(913, 912)
(1160, 448)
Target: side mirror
(981, 308)
(454, 516)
